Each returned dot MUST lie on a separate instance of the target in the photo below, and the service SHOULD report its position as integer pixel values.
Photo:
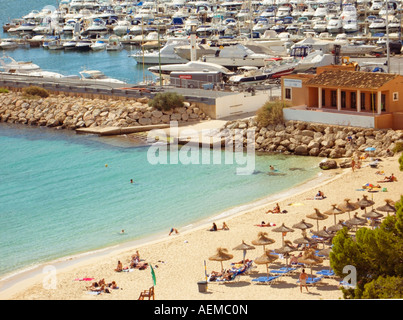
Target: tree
(374, 253)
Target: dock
(113, 131)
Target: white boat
(262, 25)
(349, 12)
(350, 25)
(114, 44)
(55, 45)
(83, 45)
(376, 6)
(165, 70)
(320, 26)
(274, 68)
(70, 44)
(355, 48)
(314, 59)
(378, 25)
(7, 44)
(166, 55)
(122, 27)
(320, 12)
(98, 45)
(97, 27)
(27, 68)
(235, 56)
(334, 25)
(26, 26)
(98, 76)
(69, 26)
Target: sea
(64, 194)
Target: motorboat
(274, 68)
(55, 45)
(97, 76)
(184, 51)
(376, 6)
(114, 44)
(334, 25)
(99, 45)
(27, 68)
(122, 27)
(357, 48)
(350, 25)
(320, 12)
(262, 25)
(84, 45)
(97, 27)
(314, 59)
(70, 44)
(165, 70)
(377, 25)
(320, 26)
(7, 44)
(166, 55)
(237, 55)
(349, 12)
(69, 26)
(27, 26)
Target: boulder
(328, 164)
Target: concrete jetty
(113, 131)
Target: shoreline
(9, 280)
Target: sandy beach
(178, 260)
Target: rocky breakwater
(312, 139)
(75, 112)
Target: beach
(178, 260)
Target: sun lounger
(266, 280)
(312, 281)
(326, 273)
(347, 285)
(283, 271)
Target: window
(334, 98)
(323, 98)
(288, 93)
(383, 102)
(343, 99)
(362, 100)
(353, 97)
(395, 96)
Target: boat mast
(387, 37)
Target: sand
(178, 260)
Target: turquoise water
(63, 193)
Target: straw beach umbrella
(244, 247)
(337, 226)
(221, 255)
(348, 206)
(317, 215)
(266, 258)
(356, 221)
(334, 211)
(263, 240)
(283, 229)
(310, 259)
(302, 225)
(285, 250)
(365, 202)
(388, 207)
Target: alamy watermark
(203, 147)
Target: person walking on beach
(302, 280)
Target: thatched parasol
(302, 225)
(317, 215)
(266, 258)
(263, 240)
(309, 258)
(283, 229)
(365, 202)
(348, 206)
(372, 214)
(388, 207)
(334, 211)
(324, 252)
(221, 256)
(356, 221)
(244, 247)
(337, 226)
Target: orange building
(345, 97)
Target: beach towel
(84, 279)
(95, 293)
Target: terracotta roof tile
(351, 79)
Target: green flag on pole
(153, 275)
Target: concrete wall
(239, 103)
(329, 118)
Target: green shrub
(166, 101)
(3, 90)
(35, 91)
(271, 113)
(398, 147)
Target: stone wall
(311, 139)
(75, 112)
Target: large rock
(301, 150)
(328, 164)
